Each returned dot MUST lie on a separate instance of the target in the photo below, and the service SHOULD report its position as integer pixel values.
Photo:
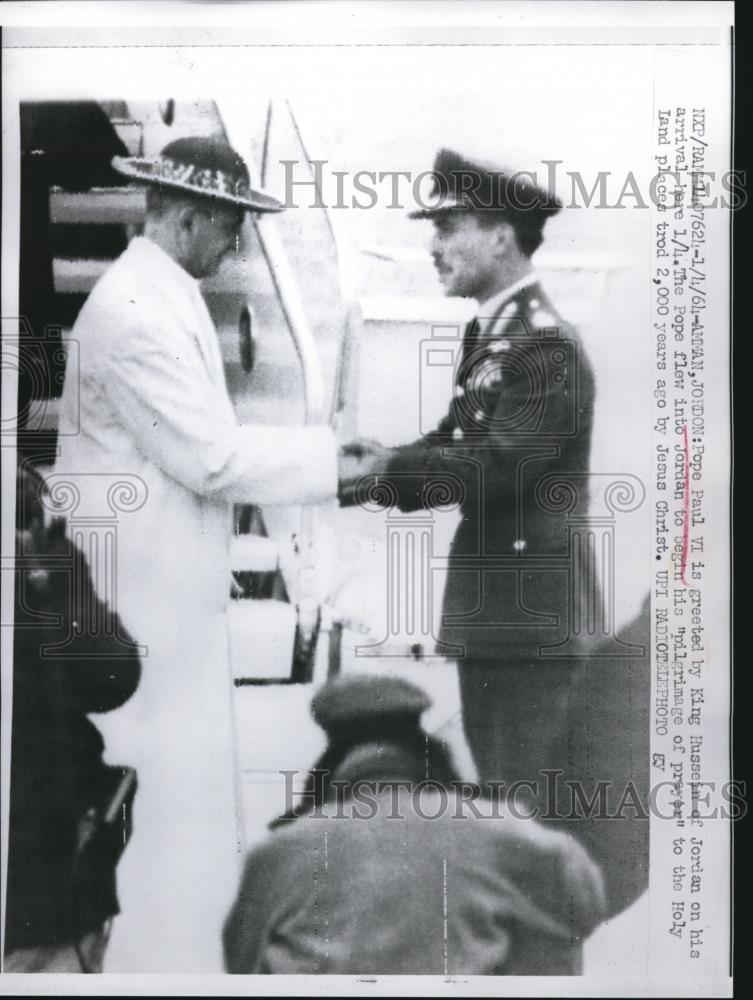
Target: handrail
(281, 275)
(352, 322)
(308, 596)
(121, 205)
(345, 256)
(347, 271)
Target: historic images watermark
(547, 798)
(39, 361)
(671, 186)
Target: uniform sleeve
(182, 422)
(416, 472)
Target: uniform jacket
(397, 893)
(514, 449)
(148, 407)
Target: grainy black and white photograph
(365, 471)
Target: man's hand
(358, 458)
(364, 448)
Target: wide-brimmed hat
(463, 184)
(203, 166)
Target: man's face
(215, 234)
(465, 255)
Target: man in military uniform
(515, 443)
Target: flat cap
(364, 699)
(460, 183)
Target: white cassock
(148, 405)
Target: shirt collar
(488, 311)
(154, 257)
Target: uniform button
(459, 391)
(534, 303)
(519, 545)
(478, 415)
(457, 433)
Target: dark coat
(57, 771)
(515, 446)
(343, 895)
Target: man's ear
(187, 217)
(504, 239)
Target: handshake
(356, 459)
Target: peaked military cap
(461, 184)
(363, 699)
(200, 165)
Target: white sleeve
(183, 422)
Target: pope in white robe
(149, 405)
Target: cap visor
(444, 209)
